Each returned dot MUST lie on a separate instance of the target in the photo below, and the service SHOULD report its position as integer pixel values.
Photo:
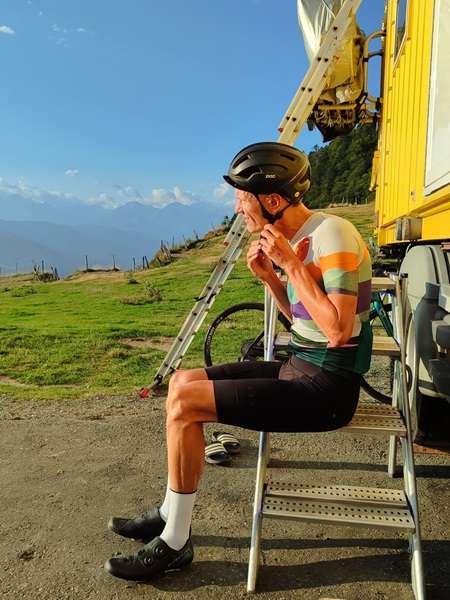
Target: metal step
(377, 418)
(380, 410)
(387, 498)
(382, 283)
(384, 345)
(362, 512)
(376, 424)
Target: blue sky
(110, 101)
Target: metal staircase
(344, 504)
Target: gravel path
(67, 466)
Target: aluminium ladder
(349, 505)
(295, 117)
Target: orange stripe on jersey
(347, 261)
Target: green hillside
(105, 334)
(341, 170)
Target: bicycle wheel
(237, 334)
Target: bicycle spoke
(237, 334)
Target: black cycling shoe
(154, 558)
(143, 528)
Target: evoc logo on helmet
(271, 176)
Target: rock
(27, 553)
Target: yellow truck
(411, 169)
(411, 178)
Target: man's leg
(180, 377)
(145, 527)
(191, 402)
(188, 406)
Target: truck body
(412, 163)
(411, 177)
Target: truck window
(437, 171)
(400, 25)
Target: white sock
(164, 509)
(176, 531)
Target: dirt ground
(67, 466)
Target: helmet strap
(269, 216)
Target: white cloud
(57, 29)
(38, 195)
(224, 194)
(162, 197)
(63, 35)
(129, 193)
(223, 189)
(159, 198)
(7, 30)
(105, 200)
(119, 196)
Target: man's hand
(258, 263)
(276, 247)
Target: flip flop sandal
(216, 454)
(231, 443)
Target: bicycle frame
(378, 307)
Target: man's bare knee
(177, 404)
(183, 376)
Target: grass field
(101, 334)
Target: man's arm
(333, 313)
(333, 310)
(262, 268)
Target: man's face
(248, 206)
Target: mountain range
(63, 233)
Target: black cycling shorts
(293, 396)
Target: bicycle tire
(384, 398)
(375, 394)
(243, 306)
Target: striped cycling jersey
(338, 260)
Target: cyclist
(327, 297)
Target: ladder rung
(382, 283)
(384, 345)
(337, 512)
(380, 410)
(376, 424)
(338, 493)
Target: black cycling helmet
(271, 168)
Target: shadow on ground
(390, 567)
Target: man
(327, 298)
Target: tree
(342, 168)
